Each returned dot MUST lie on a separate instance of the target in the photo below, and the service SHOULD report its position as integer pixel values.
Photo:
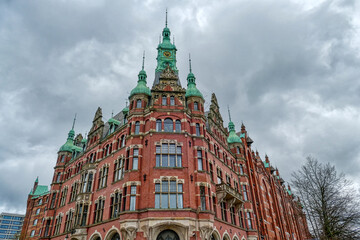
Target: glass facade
(10, 225)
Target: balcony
(226, 193)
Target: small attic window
(196, 106)
(138, 103)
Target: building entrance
(168, 235)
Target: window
(168, 125)
(135, 159)
(168, 155)
(81, 214)
(241, 218)
(137, 127)
(40, 201)
(237, 150)
(211, 172)
(35, 222)
(138, 103)
(63, 196)
(32, 233)
(232, 215)
(164, 100)
(199, 157)
(53, 200)
(68, 221)
(115, 205)
(245, 193)
(228, 180)
(197, 129)
(99, 210)
(57, 225)
(58, 177)
(132, 198)
(241, 169)
(74, 191)
(158, 125)
(202, 198)
(196, 106)
(178, 126)
(172, 101)
(118, 169)
(223, 211)
(124, 199)
(86, 182)
(248, 215)
(62, 158)
(103, 174)
(168, 194)
(219, 175)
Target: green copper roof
(125, 110)
(84, 140)
(233, 138)
(191, 90)
(242, 135)
(289, 192)
(69, 145)
(40, 190)
(141, 87)
(114, 121)
(266, 164)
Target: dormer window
(138, 103)
(172, 101)
(196, 106)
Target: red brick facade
(163, 169)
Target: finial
(166, 19)
(126, 103)
(173, 40)
(143, 60)
(112, 113)
(159, 38)
(229, 113)
(73, 122)
(190, 62)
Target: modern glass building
(10, 225)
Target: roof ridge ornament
(166, 18)
(74, 122)
(143, 63)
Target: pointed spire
(166, 18)
(229, 113)
(143, 63)
(173, 40)
(37, 179)
(74, 122)
(159, 38)
(190, 63)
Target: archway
(168, 235)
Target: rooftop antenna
(143, 60)
(73, 122)
(190, 62)
(166, 19)
(229, 113)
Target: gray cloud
(289, 71)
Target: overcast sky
(290, 70)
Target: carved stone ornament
(128, 233)
(169, 74)
(205, 232)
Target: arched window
(158, 125)
(197, 129)
(163, 100)
(178, 126)
(196, 106)
(137, 127)
(122, 141)
(168, 125)
(237, 150)
(138, 103)
(116, 236)
(168, 235)
(172, 101)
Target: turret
(139, 96)
(194, 98)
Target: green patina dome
(233, 138)
(141, 87)
(192, 90)
(125, 110)
(69, 145)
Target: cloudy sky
(289, 69)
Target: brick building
(164, 168)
